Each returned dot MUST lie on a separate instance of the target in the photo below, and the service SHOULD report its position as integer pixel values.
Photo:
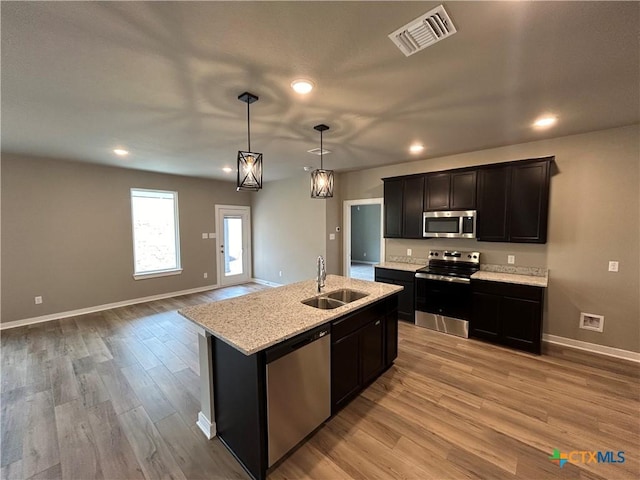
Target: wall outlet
(38, 300)
(409, 252)
(205, 236)
(613, 266)
(332, 236)
(280, 273)
(206, 274)
(511, 259)
(364, 254)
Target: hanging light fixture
(321, 179)
(249, 163)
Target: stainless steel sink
(346, 295)
(335, 299)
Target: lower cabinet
(363, 345)
(507, 314)
(406, 298)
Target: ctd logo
(583, 456)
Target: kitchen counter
(406, 267)
(531, 280)
(256, 321)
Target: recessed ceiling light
(416, 148)
(302, 86)
(546, 121)
(120, 152)
(227, 169)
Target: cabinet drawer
(345, 326)
(384, 274)
(527, 292)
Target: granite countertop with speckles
(407, 267)
(256, 321)
(535, 281)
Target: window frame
(163, 272)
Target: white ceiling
(162, 80)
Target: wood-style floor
(114, 395)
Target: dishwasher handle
(295, 343)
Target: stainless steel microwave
(458, 224)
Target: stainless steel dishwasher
(298, 390)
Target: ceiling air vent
(424, 31)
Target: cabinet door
(345, 369)
(371, 349)
(413, 196)
(521, 326)
(463, 191)
(436, 191)
(529, 202)
(485, 317)
(406, 300)
(493, 189)
(390, 338)
(393, 208)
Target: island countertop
(256, 321)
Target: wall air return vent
(424, 31)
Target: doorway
(233, 244)
(363, 240)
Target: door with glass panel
(233, 241)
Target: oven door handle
(443, 278)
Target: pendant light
(321, 179)
(249, 163)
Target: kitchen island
(241, 338)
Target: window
(156, 237)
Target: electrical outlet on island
(511, 259)
(409, 252)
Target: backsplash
(405, 259)
(532, 271)
(487, 267)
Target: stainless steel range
(443, 291)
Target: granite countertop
(256, 321)
(532, 280)
(407, 267)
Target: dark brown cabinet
(403, 207)
(413, 208)
(513, 202)
(450, 191)
(393, 221)
(507, 314)
(406, 298)
(363, 344)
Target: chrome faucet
(322, 273)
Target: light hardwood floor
(115, 395)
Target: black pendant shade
(321, 179)
(249, 163)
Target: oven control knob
(435, 254)
(468, 256)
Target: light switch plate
(38, 300)
(613, 266)
(205, 236)
(212, 235)
(332, 236)
(511, 259)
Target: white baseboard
(592, 347)
(207, 427)
(100, 308)
(266, 282)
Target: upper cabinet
(403, 207)
(511, 199)
(454, 190)
(513, 202)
